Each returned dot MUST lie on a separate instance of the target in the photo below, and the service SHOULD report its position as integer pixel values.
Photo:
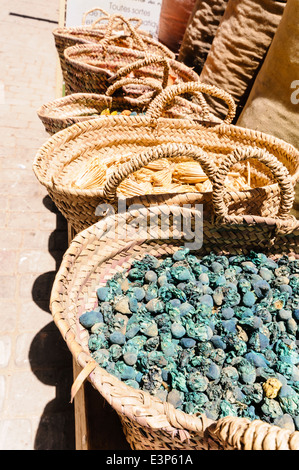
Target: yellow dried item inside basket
(162, 178)
(130, 187)
(157, 165)
(92, 176)
(189, 172)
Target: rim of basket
(82, 356)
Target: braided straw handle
(278, 170)
(155, 153)
(105, 15)
(138, 20)
(134, 81)
(115, 19)
(149, 60)
(157, 106)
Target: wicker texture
(77, 107)
(65, 152)
(113, 28)
(90, 66)
(95, 255)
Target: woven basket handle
(105, 15)
(116, 19)
(155, 110)
(131, 20)
(148, 82)
(155, 153)
(278, 170)
(149, 60)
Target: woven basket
(116, 31)
(91, 67)
(77, 107)
(61, 156)
(95, 255)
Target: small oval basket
(101, 251)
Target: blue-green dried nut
(151, 292)
(197, 382)
(175, 398)
(271, 408)
(230, 325)
(176, 303)
(258, 341)
(181, 273)
(232, 298)
(286, 422)
(207, 299)
(254, 392)
(227, 313)
(149, 328)
(133, 305)
(97, 341)
(162, 395)
(289, 400)
(247, 372)
(213, 372)
(186, 308)
(115, 352)
(284, 314)
(155, 306)
(138, 293)
(132, 330)
(227, 409)
(218, 296)
(244, 285)
(217, 267)
(188, 342)
(177, 330)
(130, 358)
(249, 299)
(296, 422)
(132, 383)
(218, 342)
(135, 274)
(218, 356)
(257, 359)
(150, 276)
(168, 348)
(266, 273)
(286, 289)
(261, 288)
(181, 254)
(88, 319)
(107, 311)
(292, 326)
(117, 338)
(103, 293)
(101, 356)
(162, 280)
(152, 343)
(198, 331)
(204, 278)
(178, 380)
(249, 267)
(230, 375)
(156, 358)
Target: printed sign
(146, 10)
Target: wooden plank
(81, 424)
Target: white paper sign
(147, 10)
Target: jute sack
(200, 31)
(273, 104)
(104, 249)
(239, 47)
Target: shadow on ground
(49, 357)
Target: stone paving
(35, 364)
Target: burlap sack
(173, 21)
(242, 39)
(273, 104)
(200, 31)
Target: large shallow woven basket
(102, 250)
(118, 31)
(61, 156)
